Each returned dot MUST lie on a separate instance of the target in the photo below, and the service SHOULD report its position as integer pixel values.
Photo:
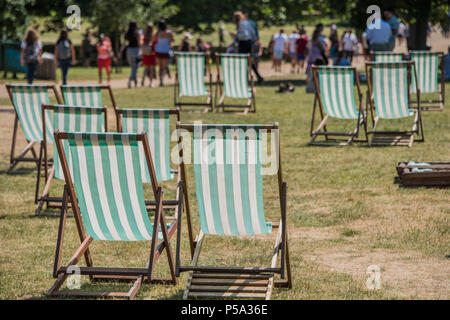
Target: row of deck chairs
(104, 174)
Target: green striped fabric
(191, 73)
(82, 95)
(427, 66)
(107, 181)
(390, 90)
(381, 56)
(156, 123)
(336, 92)
(75, 119)
(235, 75)
(228, 180)
(28, 100)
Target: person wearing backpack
(64, 54)
(30, 53)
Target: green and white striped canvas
(235, 75)
(427, 66)
(74, 119)
(390, 90)
(28, 100)
(336, 92)
(228, 180)
(156, 123)
(89, 96)
(107, 181)
(381, 56)
(191, 73)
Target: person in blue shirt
(447, 65)
(393, 22)
(378, 38)
(340, 60)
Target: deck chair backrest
(108, 185)
(388, 57)
(75, 119)
(337, 91)
(28, 100)
(427, 66)
(191, 73)
(390, 86)
(235, 75)
(82, 95)
(157, 125)
(229, 184)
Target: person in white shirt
(293, 37)
(280, 42)
(30, 53)
(349, 41)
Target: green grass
(338, 198)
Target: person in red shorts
(148, 55)
(104, 54)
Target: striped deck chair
(106, 193)
(389, 87)
(156, 122)
(191, 69)
(27, 101)
(429, 64)
(382, 56)
(335, 99)
(229, 186)
(88, 95)
(235, 70)
(65, 118)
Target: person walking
(64, 54)
(133, 39)
(317, 48)
(86, 48)
(301, 50)
(185, 45)
(148, 55)
(378, 35)
(394, 23)
(163, 47)
(349, 41)
(280, 45)
(293, 37)
(30, 53)
(104, 54)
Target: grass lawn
(345, 212)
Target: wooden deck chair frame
(106, 87)
(177, 93)
(251, 102)
(167, 204)
(396, 138)
(136, 275)
(235, 282)
(321, 129)
(435, 105)
(13, 159)
(373, 55)
(49, 172)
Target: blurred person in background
(133, 38)
(64, 54)
(104, 55)
(148, 55)
(30, 53)
(393, 22)
(163, 48)
(301, 50)
(293, 37)
(280, 47)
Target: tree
(13, 18)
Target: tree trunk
(417, 39)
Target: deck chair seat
(191, 69)
(229, 188)
(105, 187)
(389, 97)
(335, 99)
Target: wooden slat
(195, 288)
(226, 295)
(229, 282)
(236, 276)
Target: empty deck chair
(429, 64)
(191, 69)
(229, 189)
(235, 71)
(27, 101)
(335, 99)
(382, 56)
(389, 87)
(65, 118)
(105, 189)
(88, 95)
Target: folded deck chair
(27, 101)
(382, 56)
(88, 95)
(389, 85)
(229, 189)
(105, 188)
(428, 65)
(335, 99)
(191, 69)
(64, 118)
(428, 174)
(235, 70)
(156, 122)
